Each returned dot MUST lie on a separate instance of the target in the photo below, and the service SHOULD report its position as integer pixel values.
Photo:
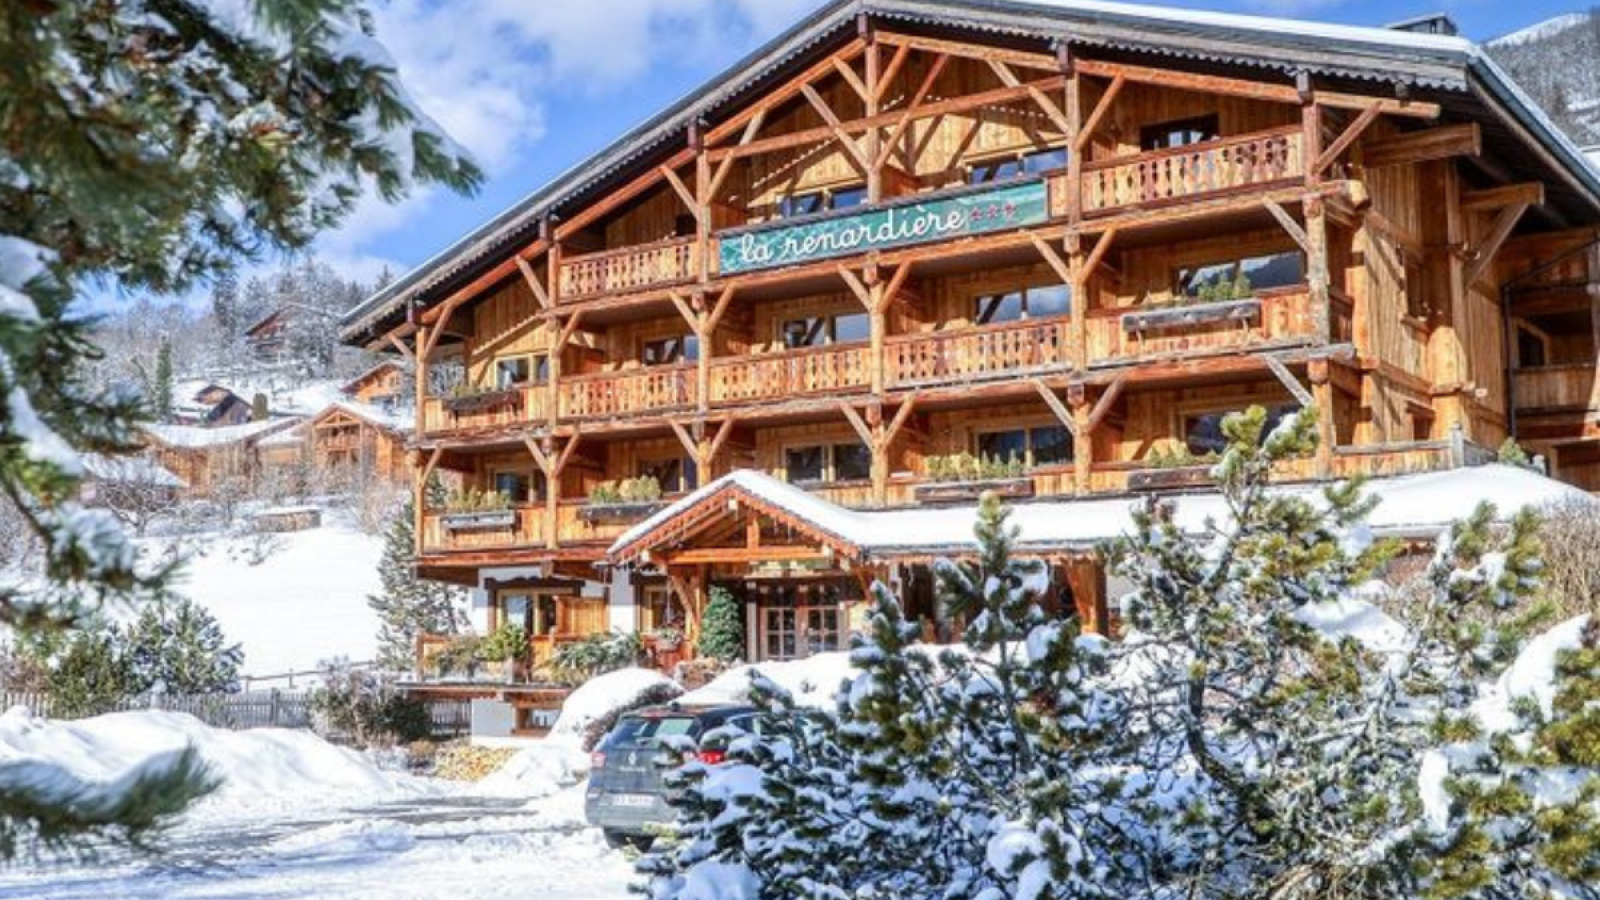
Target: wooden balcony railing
(528, 529)
(1559, 387)
(1161, 177)
(606, 394)
(973, 354)
(523, 404)
(841, 368)
(628, 269)
(1277, 315)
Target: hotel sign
(901, 225)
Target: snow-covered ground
(304, 603)
(297, 817)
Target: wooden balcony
(1255, 161)
(774, 377)
(1272, 317)
(976, 354)
(1558, 388)
(527, 530)
(485, 412)
(605, 395)
(628, 269)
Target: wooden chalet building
(910, 232)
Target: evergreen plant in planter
(473, 398)
(475, 510)
(1219, 300)
(966, 476)
(501, 650)
(628, 500)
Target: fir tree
(410, 606)
(132, 135)
(177, 647)
(161, 384)
(722, 627)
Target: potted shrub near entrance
(501, 651)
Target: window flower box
(478, 402)
(1192, 315)
(620, 512)
(1171, 478)
(964, 491)
(486, 520)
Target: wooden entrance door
(796, 619)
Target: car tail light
(712, 757)
(597, 760)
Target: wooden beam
(1189, 81)
(724, 300)
(892, 289)
(1347, 137)
(1024, 58)
(1103, 405)
(1010, 80)
(1288, 223)
(566, 455)
(1059, 265)
(859, 289)
(901, 53)
(724, 431)
(437, 331)
(1099, 112)
(427, 469)
(783, 93)
(1101, 246)
(1286, 377)
(858, 424)
(1483, 254)
(901, 417)
(690, 445)
(1062, 414)
(683, 192)
(909, 111)
(567, 330)
(851, 78)
(1386, 227)
(540, 292)
(751, 128)
(400, 345)
(1527, 193)
(690, 317)
(1443, 142)
(843, 137)
(1392, 106)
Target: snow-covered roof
(1430, 61)
(1420, 505)
(289, 437)
(130, 470)
(191, 437)
(399, 418)
(354, 384)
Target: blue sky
(531, 87)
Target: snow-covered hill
(304, 603)
(1557, 62)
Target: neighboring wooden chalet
(383, 384)
(208, 404)
(210, 459)
(912, 250)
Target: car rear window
(638, 731)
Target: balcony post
(1082, 439)
(421, 376)
(1317, 274)
(874, 135)
(1074, 113)
(1318, 370)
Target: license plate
(632, 800)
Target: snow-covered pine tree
(410, 606)
(722, 627)
(131, 134)
(177, 647)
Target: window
(519, 487)
(814, 331)
(1202, 433)
(1178, 133)
(666, 351)
(804, 464)
(851, 462)
(1044, 445)
(814, 202)
(1530, 349)
(1028, 303)
(1272, 270)
(828, 463)
(661, 607)
(510, 372)
(673, 474)
(1001, 168)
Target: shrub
(1571, 537)
(474, 500)
(644, 489)
(595, 655)
(508, 641)
(722, 633)
(973, 467)
(367, 710)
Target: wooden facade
(1202, 242)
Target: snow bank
(605, 694)
(812, 681)
(258, 767)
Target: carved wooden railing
(528, 529)
(971, 354)
(607, 394)
(770, 377)
(1571, 386)
(628, 268)
(1177, 174)
(1275, 316)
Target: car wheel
(621, 840)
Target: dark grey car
(628, 797)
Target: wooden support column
(552, 464)
(879, 437)
(1082, 440)
(702, 320)
(1074, 116)
(421, 376)
(419, 495)
(1327, 434)
(875, 295)
(703, 449)
(1317, 271)
(872, 91)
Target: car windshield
(641, 731)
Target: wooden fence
(248, 709)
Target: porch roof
(1418, 506)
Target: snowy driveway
(450, 847)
